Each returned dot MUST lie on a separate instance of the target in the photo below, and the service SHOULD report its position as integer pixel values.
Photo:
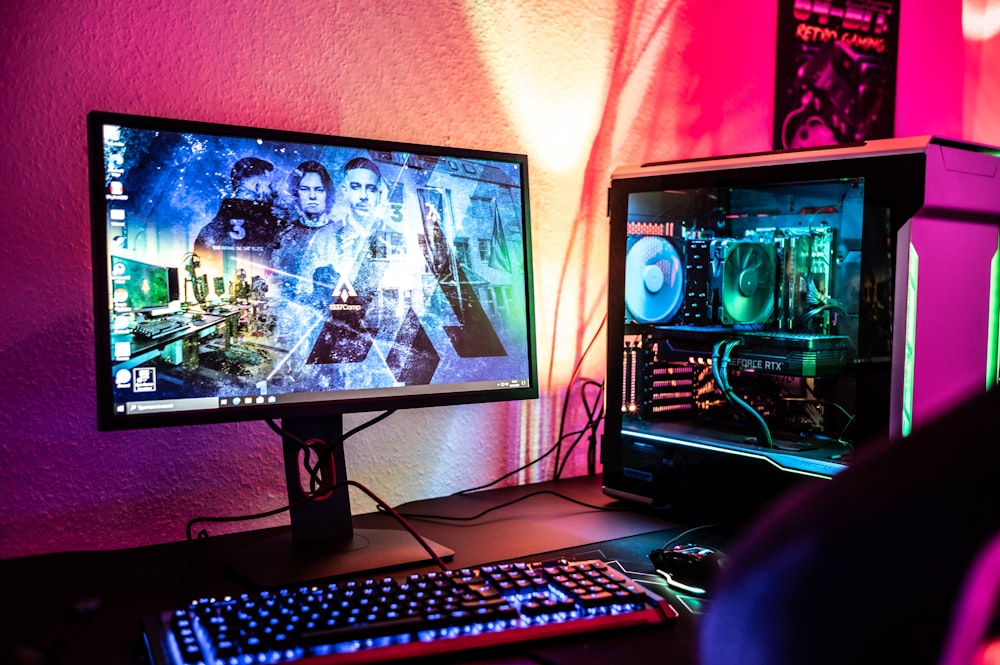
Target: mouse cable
(686, 532)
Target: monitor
(142, 287)
(322, 275)
(765, 318)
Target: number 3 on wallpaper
(237, 232)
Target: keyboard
(157, 328)
(387, 619)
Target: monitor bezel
(108, 420)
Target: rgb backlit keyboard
(380, 619)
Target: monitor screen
(319, 273)
(244, 273)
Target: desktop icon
(144, 379)
(123, 350)
(123, 379)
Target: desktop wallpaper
(305, 265)
(578, 87)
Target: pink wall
(578, 88)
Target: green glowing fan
(748, 281)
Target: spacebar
(363, 631)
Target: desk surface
(84, 607)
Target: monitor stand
(322, 541)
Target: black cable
(805, 321)
(569, 388)
(594, 417)
(382, 506)
(848, 416)
(562, 464)
(183, 595)
(763, 430)
(519, 469)
(507, 504)
(593, 421)
(721, 375)
(843, 432)
(243, 518)
(597, 416)
(684, 533)
(277, 429)
(720, 380)
(343, 437)
(323, 449)
(308, 447)
(591, 426)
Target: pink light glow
(580, 87)
(980, 19)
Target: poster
(835, 78)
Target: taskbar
(189, 404)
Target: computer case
(771, 315)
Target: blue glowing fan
(654, 280)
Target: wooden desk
(84, 607)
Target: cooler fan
(748, 281)
(654, 280)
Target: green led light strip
(910, 342)
(993, 339)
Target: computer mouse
(689, 568)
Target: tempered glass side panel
(744, 309)
(755, 315)
(761, 310)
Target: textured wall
(579, 87)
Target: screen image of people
(306, 268)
